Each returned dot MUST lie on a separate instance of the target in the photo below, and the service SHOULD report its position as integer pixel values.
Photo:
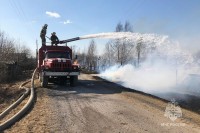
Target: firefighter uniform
(54, 39)
(43, 34)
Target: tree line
(15, 58)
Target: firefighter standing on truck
(54, 39)
(43, 34)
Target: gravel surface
(98, 106)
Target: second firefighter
(54, 39)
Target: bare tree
(6, 47)
(107, 58)
(126, 49)
(139, 48)
(128, 27)
(91, 55)
(122, 47)
(117, 43)
(14, 56)
(22, 52)
(119, 27)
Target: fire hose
(26, 107)
(12, 106)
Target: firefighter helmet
(45, 25)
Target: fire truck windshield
(58, 55)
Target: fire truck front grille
(61, 66)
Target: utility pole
(36, 51)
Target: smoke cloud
(166, 69)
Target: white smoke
(162, 71)
(150, 78)
(143, 79)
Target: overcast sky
(23, 19)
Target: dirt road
(98, 106)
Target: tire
(40, 77)
(73, 80)
(44, 81)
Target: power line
(21, 10)
(16, 6)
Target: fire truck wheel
(40, 77)
(44, 81)
(73, 80)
